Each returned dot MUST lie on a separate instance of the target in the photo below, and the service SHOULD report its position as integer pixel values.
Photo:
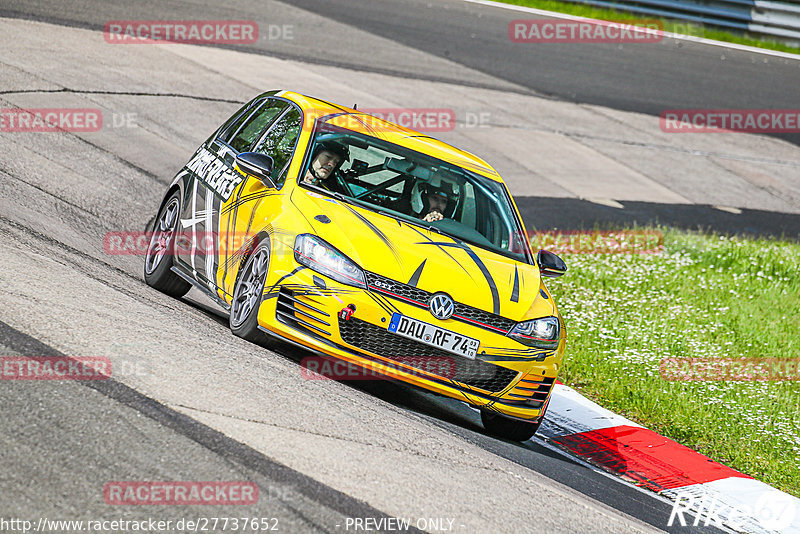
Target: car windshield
(414, 187)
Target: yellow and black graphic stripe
(430, 241)
(384, 303)
(415, 277)
(481, 266)
(515, 288)
(377, 231)
(238, 256)
(248, 198)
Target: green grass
(704, 296)
(670, 25)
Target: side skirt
(210, 294)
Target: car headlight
(316, 254)
(541, 333)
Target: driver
(439, 199)
(327, 158)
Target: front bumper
(303, 306)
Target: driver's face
(437, 202)
(325, 163)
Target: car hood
(426, 259)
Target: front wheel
(507, 428)
(161, 250)
(247, 295)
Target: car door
(212, 183)
(256, 204)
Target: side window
(255, 124)
(235, 121)
(279, 143)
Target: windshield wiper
(386, 214)
(434, 229)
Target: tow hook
(347, 312)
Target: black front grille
(377, 340)
(484, 317)
(383, 284)
(398, 288)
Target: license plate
(434, 336)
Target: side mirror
(550, 264)
(258, 165)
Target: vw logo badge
(441, 306)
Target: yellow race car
(367, 243)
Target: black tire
(248, 294)
(511, 429)
(160, 251)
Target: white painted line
(610, 202)
(701, 40)
(729, 209)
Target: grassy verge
(703, 296)
(670, 25)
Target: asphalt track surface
(674, 74)
(82, 434)
(627, 77)
(85, 435)
(578, 214)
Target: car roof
(370, 125)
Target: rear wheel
(160, 251)
(248, 293)
(507, 428)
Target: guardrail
(767, 17)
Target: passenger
(439, 199)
